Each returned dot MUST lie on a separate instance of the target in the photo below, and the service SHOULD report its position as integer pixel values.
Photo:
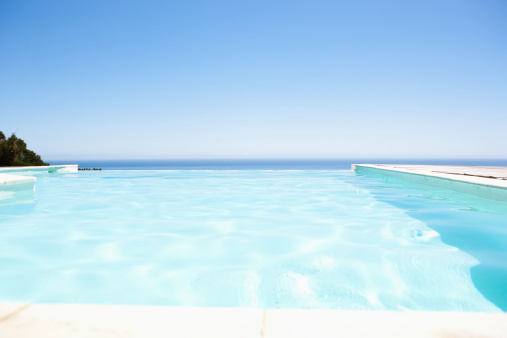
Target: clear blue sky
(93, 79)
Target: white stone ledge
(74, 320)
(48, 168)
(13, 179)
(7, 176)
(487, 182)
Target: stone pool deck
(487, 182)
(73, 320)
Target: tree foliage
(13, 152)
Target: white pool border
(7, 175)
(486, 182)
(81, 320)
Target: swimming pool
(251, 238)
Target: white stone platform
(71, 320)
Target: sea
(264, 164)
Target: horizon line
(290, 159)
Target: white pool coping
(7, 176)
(487, 182)
(14, 179)
(78, 320)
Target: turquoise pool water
(251, 238)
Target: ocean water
(260, 164)
(323, 239)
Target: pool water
(251, 238)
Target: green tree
(13, 152)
